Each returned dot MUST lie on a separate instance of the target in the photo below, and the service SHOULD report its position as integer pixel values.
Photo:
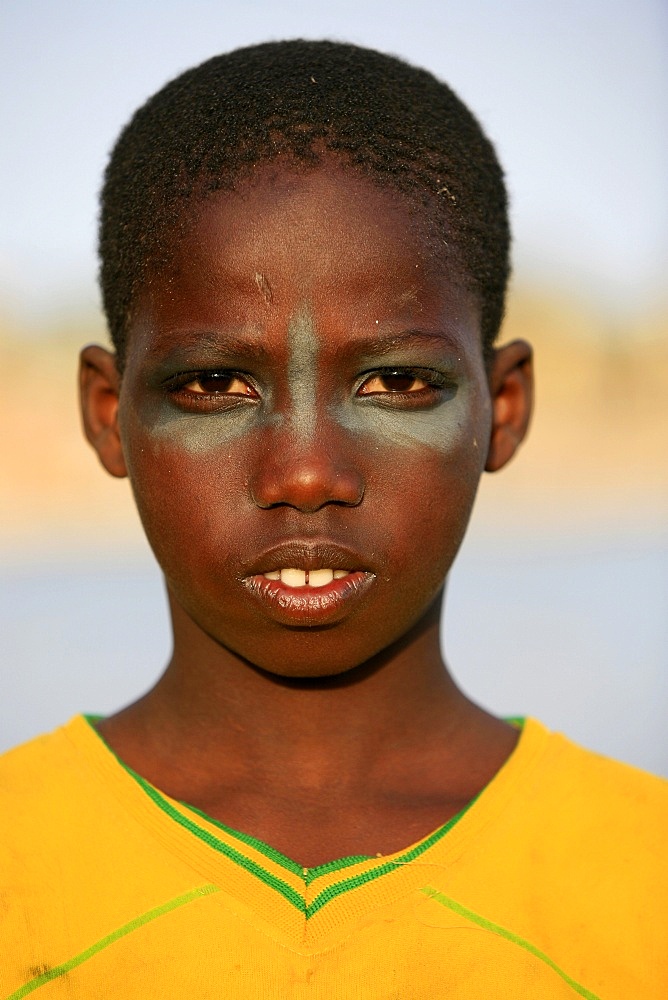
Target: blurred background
(558, 603)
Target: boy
(304, 255)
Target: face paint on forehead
(303, 371)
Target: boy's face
(305, 391)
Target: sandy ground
(597, 454)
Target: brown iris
(224, 383)
(392, 381)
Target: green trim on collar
(309, 875)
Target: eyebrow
(220, 347)
(373, 346)
(207, 344)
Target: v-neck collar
(302, 903)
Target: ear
(99, 387)
(511, 387)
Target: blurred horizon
(557, 605)
(589, 463)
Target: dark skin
(305, 383)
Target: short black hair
(209, 127)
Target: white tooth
(320, 577)
(274, 574)
(340, 573)
(293, 577)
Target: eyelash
(176, 387)
(435, 384)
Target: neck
(368, 761)
(212, 712)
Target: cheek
(184, 472)
(432, 493)
(431, 462)
(174, 456)
(423, 496)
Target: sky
(574, 94)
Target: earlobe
(99, 387)
(511, 387)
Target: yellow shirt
(553, 883)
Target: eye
(407, 388)
(210, 391)
(218, 384)
(394, 381)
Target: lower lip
(310, 605)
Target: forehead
(353, 251)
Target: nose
(307, 474)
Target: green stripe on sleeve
(132, 925)
(503, 932)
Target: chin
(311, 664)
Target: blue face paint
(209, 430)
(200, 433)
(442, 426)
(303, 349)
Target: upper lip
(305, 555)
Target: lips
(306, 555)
(308, 583)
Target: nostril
(307, 483)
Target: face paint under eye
(203, 431)
(441, 427)
(198, 431)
